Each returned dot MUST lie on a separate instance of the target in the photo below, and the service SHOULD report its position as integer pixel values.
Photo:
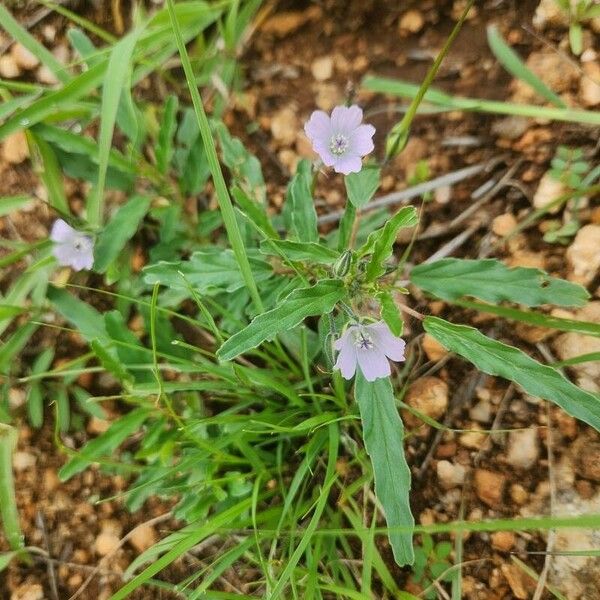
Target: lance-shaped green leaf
(383, 434)
(304, 216)
(119, 230)
(380, 243)
(390, 312)
(491, 280)
(495, 358)
(300, 251)
(301, 303)
(361, 186)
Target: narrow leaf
(495, 358)
(390, 313)
(382, 241)
(300, 251)
(383, 434)
(304, 216)
(510, 60)
(493, 281)
(119, 230)
(164, 145)
(301, 303)
(362, 186)
(8, 503)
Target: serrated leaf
(209, 270)
(300, 251)
(381, 242)
(491, 280)
(390, 313)
(301, 303)
(495, 358)
(383, 434)
(303, 214)
(361, 186)
(118, 231)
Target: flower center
(338, 144)
(79, 244)
(363, 340)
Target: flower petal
(373, 363)
(361, 140)
(61, 231)
(392, 346)
(348, 164)
(322, 149)
(346, 360)
(345, 119)
(318, 127)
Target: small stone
(519, 494)
(23, 461)
(503, 540)
(523, 448)
(589, 86)
(8, 67)
(284, 126)
(489, 487)
(571, 344)
(587, 461)
(550, 13)
(432, 348)
(14, 148)
(322, 68)
(24, 58)
(443, 194)
(411, 21)
(473, 440)
(428, 395)
(503, 224)
(28, 591)
(450, 475)
(517, 580)
(106, 543)
(142, 537)
(289, 159)
(481, 412)
(328, 95)
(45, 75)
(510, 128)
(583, 255)
(549, 189)
(96, 426)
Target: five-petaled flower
(341, 140)
(71, 247)
(369, 346)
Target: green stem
(225, 204)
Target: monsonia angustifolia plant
(332, 301)
(259, 359)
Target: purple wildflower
(369, 346)
(71, 247)
(340, 140)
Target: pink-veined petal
(392, 346)
(346, 360)
(345, 119)
(373, 363)
(322, 149)
(318, 127)
(361, 140)
(348, 164)
(61, 231)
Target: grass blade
(8, 502)
(225, 204)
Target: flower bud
(343, 263)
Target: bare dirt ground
(314, 54)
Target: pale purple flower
(340, 139)
(369, 346)
(71, 247)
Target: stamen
(363, 340)
(338, 144)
